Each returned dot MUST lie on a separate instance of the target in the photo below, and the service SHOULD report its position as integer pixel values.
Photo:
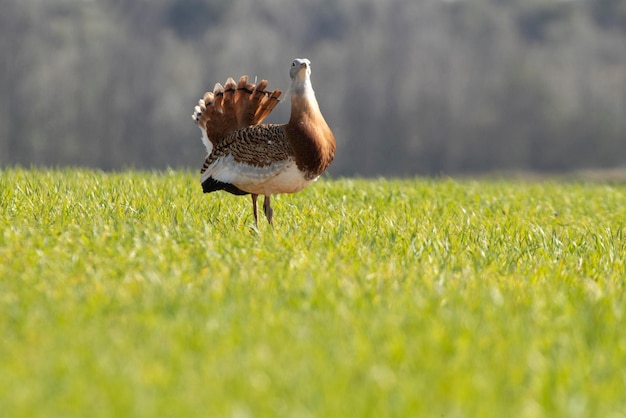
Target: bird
(245, 156)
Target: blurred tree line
(409, 87)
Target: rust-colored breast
(313, 144)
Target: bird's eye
(293, 64)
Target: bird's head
(300, 69)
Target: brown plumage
(247, 157)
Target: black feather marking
(212, 185)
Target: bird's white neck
(303, 97)
(302, 88)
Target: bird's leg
(254, 211)
(267, 208)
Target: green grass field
(134, 295)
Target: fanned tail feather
(242, 99)
(267, 103)
(234, 106)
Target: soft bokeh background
(409, 86)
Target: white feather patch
(205, 140)
(278, 177)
